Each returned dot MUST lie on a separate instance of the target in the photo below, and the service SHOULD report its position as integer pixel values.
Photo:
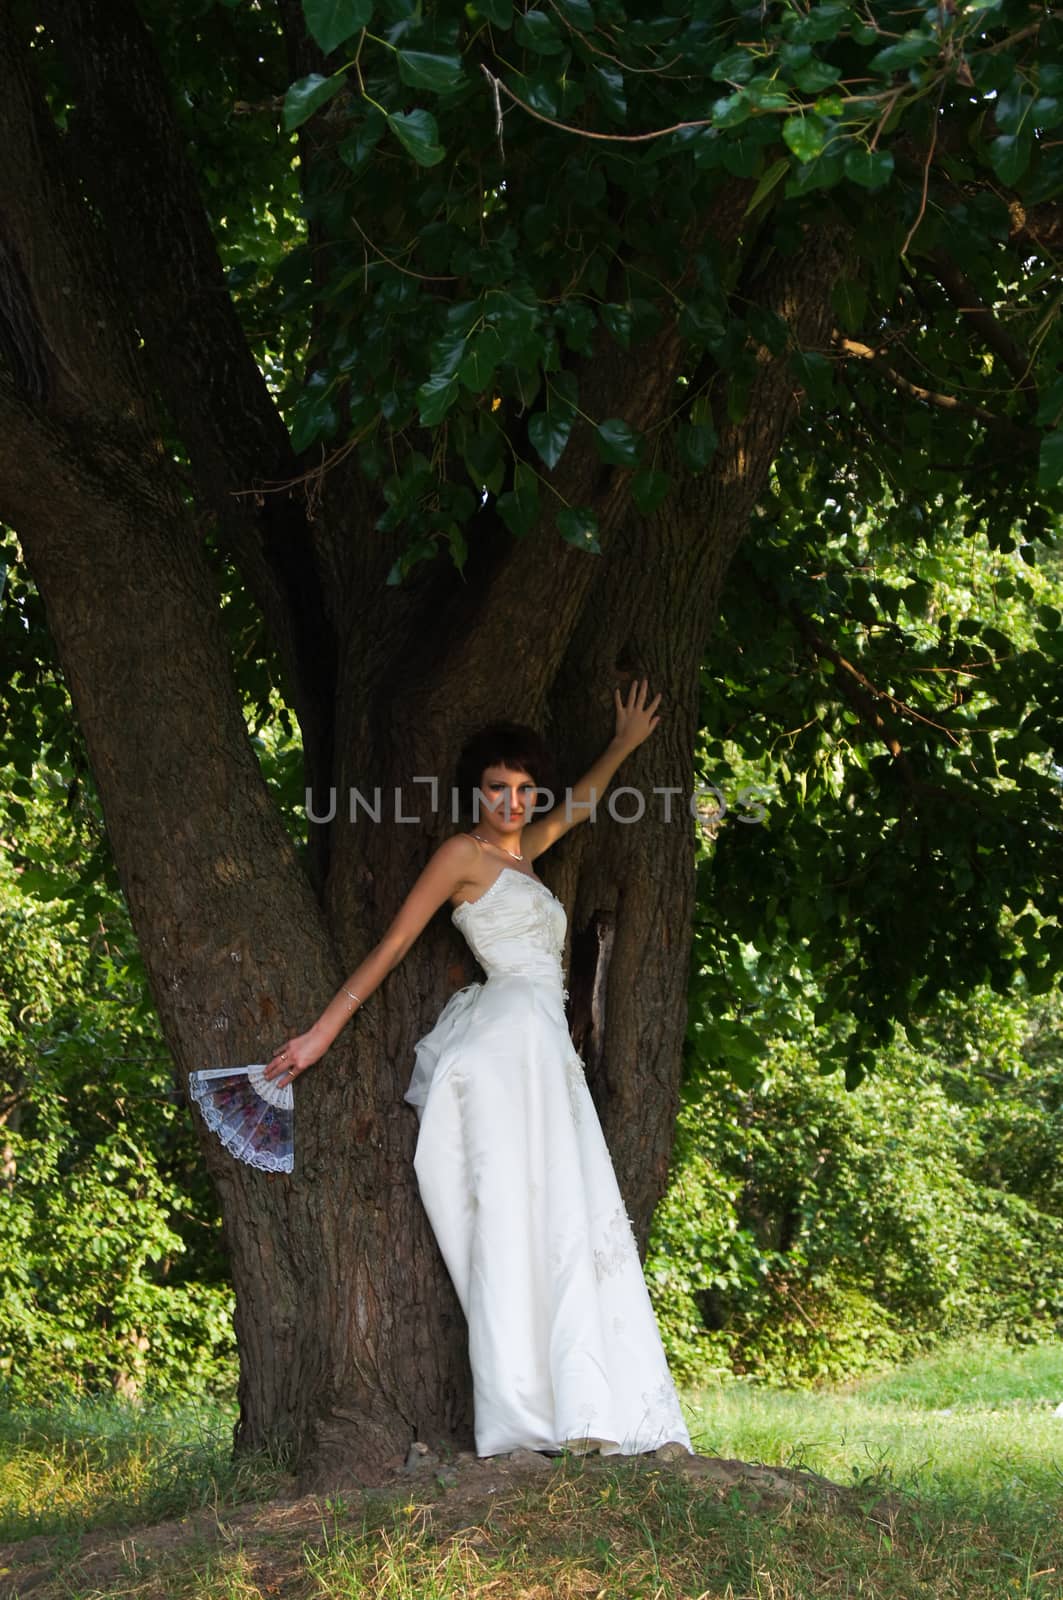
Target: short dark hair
(503, 744)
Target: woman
(511, 1163)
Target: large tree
(461, 340)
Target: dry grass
(580, 1531)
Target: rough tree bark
(351, 1341)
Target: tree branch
(933, 397)
(965, 298)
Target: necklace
(514, 853)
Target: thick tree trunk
(351, 1341)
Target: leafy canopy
(491, 190)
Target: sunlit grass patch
(974, 1425)
(100, 1463)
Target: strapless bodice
(516, 928)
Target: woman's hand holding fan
(253, 1116)
(252, 1109)
(295, 1056)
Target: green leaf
(579, 13)
(736, 66)
(731, 110)
(420, 550)
(816, 372)
(992, 73)
(608, 82)
(775, 173)
(435, 398)
(849, 299)
(314, 416)
(869, 168)
(516, 319)
(618, 443)
(822, 173)
(549, 430)
(519, 506)
(1009, 156)
(459, 549)
(907, 52)
(1047, 111)
(578, 526)
(617, 318)
(482, 355)
(537, 30)
(577, 321)
(500, 12)
(359, 145)
(1050, 471)
(304, 98)
(482, 453)
(424, 71)
(439, 392)
(418, 133)
(697, 445)
(333, 21)
(648, 489)
(743, 152)
(815, 76)
(1012, 108)
(768, 94)
(805, 136)
(822, 23)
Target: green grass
(106, 1463)
(954, 1466)
(971, 1425)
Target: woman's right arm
(452, 865)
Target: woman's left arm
(635, 721)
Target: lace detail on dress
(467, 905)
(662, 1408)
(618, 1248)
(576, 1084)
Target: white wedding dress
(520, 1191)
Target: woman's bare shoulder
(459, 851)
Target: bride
(511, 1163)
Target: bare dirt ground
(457, 1494)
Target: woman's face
(508, 797)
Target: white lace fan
(252, 1115)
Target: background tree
(565, 280)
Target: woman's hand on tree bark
(635, 720)
(294, 1057)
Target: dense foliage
(492, 185)
(110, 1273)
(808, 1230)
(811, 1232)
(902, 725)
(109, 1270)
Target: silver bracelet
(352, 996)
